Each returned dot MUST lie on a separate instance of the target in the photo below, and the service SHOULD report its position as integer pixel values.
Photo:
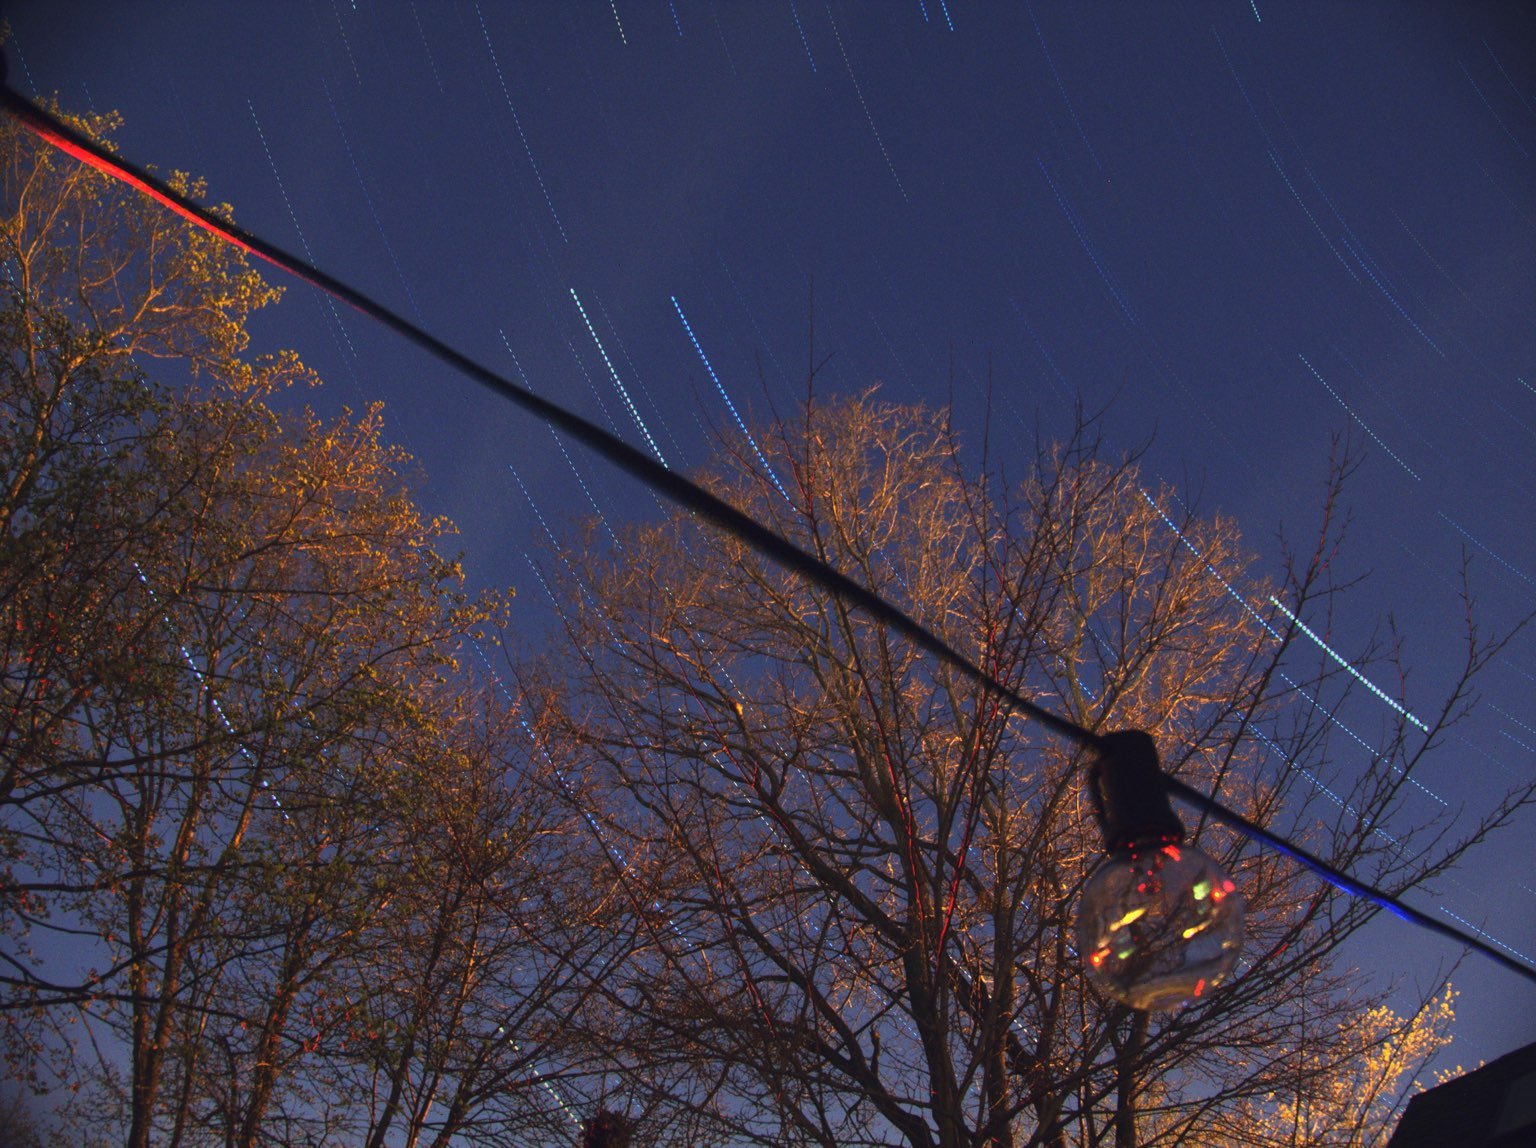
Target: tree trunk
(1125, 1082)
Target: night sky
(1245, 227)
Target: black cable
(684, 492)
(1337, 877)
(693, 497)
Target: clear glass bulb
(1159, 926)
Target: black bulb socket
(1125, 780)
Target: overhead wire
(695, 499)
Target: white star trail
(1363, 425)
(518, 123)
(629, 403)
(735, 414)
(863, 103)
(1344, 664)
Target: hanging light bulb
(1159, 922)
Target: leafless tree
(861, 869)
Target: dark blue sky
(1250, 225)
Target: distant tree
(18, 1125)
(269, 852)
(860, 870)
(1353, 1095)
